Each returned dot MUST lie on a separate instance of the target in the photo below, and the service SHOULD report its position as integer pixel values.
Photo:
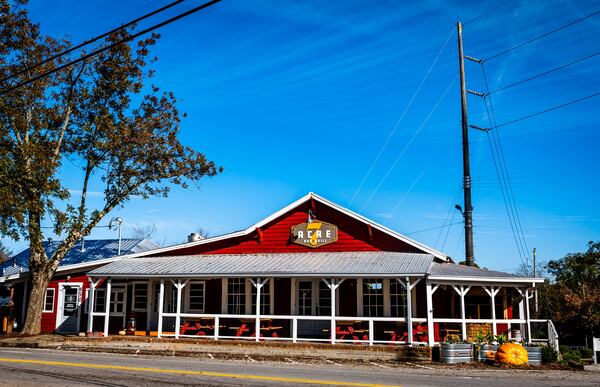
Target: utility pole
(535, 293)
(468, 210)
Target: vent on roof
(195, 237)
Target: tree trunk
(38, 282)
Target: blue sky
(291, 97)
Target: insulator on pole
(476, 93)
(479, 128)
(473, 59)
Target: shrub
(563, 348)
(572, 355)
(549, 355)
(586, 353)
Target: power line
(102, 49)
(433, 228)
(485, 13)
(408, 106)
(437, 104)
(504, 176)
(548, 110)
(540, 36)
(544, 73)
(92, 40)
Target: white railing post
(430, 326)
(462, 292)
(294, 330)
(90, 303)
(107, 307)
(257, 323)
(371, 332)
(161, 301)
(332, 284)
(217, 323)
(528, 319)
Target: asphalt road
(35, 367)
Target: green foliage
(549, 355)
(572, 300)
(453, 339)
(586, 353)
(563, 348)
(5, 253)
(571, 356)
(103, 116)
(501, 339)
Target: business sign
(314, 234)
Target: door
(305, 298)
(69, 308)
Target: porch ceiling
(337, 264)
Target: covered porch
(343, 297)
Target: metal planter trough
(486, 353)
(456, 353)
(534, 355)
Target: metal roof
(92, 250)
(379, 263)
(449, 271)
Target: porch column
(527, 316)
(179, 286)
(333, 285)
(409, 314)
(430, 290)
(462, 292)
(492, 293)
(107, 306)
(161, 296)
(90, 303)
(258, 284)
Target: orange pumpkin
(511, 353)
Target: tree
(5, 253)
(100, 115)
(142, 232)
(572, 300)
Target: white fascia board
(486, 280)
(283, 211)
(429, 250)
(254, 275)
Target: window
(196, 297)
(236, 296)
(49, 301)
(117, 300)
(324, 299)
(373, 297)
(140, 297)
(397, 299)
(304, 298)
(100, 301)
(265, 298)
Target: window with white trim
(140, 297)
(196, 295)
(397, 299)
(372, 297)
(100, 300)
(49, 300)
(236, 295)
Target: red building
(317, 272)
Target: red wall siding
(353, 235)
(49, 319)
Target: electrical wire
(503, 175)
(485, 13)
(435, 107)
(107, 47)
(433, 228)
(547, 110)
(540, 36)
(544, 73)
(92, 40)
(408, 106)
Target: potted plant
(534, 355)
(455, 350)
(485, 347)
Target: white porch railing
(551, 339)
